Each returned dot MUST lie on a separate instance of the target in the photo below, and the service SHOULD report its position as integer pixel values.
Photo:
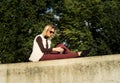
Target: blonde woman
(43, 51)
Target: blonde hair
(47, 28)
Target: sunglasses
(51, 32)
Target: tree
(72, 26)
(104, 25)
(80, 24)
(16, 25)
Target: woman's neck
(46, 37)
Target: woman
(42, 51)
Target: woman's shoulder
(38, 36)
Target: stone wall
(98, 69)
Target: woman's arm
(44, 50)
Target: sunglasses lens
(51, 32)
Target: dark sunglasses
(51, 32)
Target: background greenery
(80, 24)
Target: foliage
(80, 25)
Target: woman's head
(49, 31)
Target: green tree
(79, 23)
(104, 25)
(72, 26)
(16, 25)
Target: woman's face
(50, 32)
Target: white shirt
(36, 51)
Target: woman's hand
(58, 49)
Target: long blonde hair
(47, 28)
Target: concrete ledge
(99, 69)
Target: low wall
(99, 69)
